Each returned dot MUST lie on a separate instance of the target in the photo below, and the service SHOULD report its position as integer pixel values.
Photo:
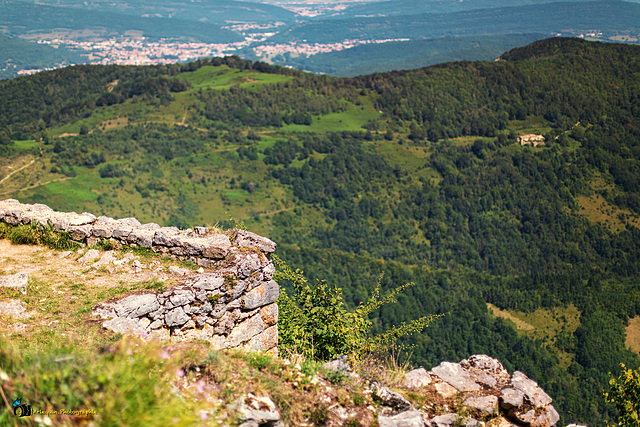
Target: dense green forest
(406, 55)
(415, 174)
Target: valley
(415, 174)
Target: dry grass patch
(633, 334)
(544, 325)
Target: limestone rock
(511, 398)
(445, 389)
(530, 388)
(142, 236)
(18, 280)
(486, 404)
(136, 305)
(90, 255)
(123, 325)
(269, 314)
(411, 418)
(14, 308)
(255, 411)
(164, 236)
(450, 420)
(178, 271)
(206, 281)
(266, 340)
(264, 294)
(176, 317)
(245, 238)
(245, 331)
(339, 364)
(390, 398)
(79, 232)
(217, 246)
(456, 375)
(104, 226)
(416, 379)
(182, 297)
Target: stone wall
(231, 305)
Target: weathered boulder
(390, 398)
(410, 418)
(456, 375)
(416, 378)
(243, 238)
(530, 388)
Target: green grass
(223, 77)
(25, 144)
(351, 120)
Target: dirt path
(17, 170)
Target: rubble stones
(486, 387)
(264, 294)
(510, 398)
(452, 419)
(136, 305)
(243, 238)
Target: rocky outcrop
(475, 392)
(485, 390)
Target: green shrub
(315, 322)
(625, 393)
(31, 234)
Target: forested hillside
(531, 251)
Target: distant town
(140, 51)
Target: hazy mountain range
(339, 38)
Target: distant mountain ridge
(560, 17)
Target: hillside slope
(415, 174)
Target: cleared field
(633, 334)
(544, 325)
(519, 324)
(598, 210)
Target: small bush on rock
(314, 321)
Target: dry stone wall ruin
(232, 304)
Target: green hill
(415, 174)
